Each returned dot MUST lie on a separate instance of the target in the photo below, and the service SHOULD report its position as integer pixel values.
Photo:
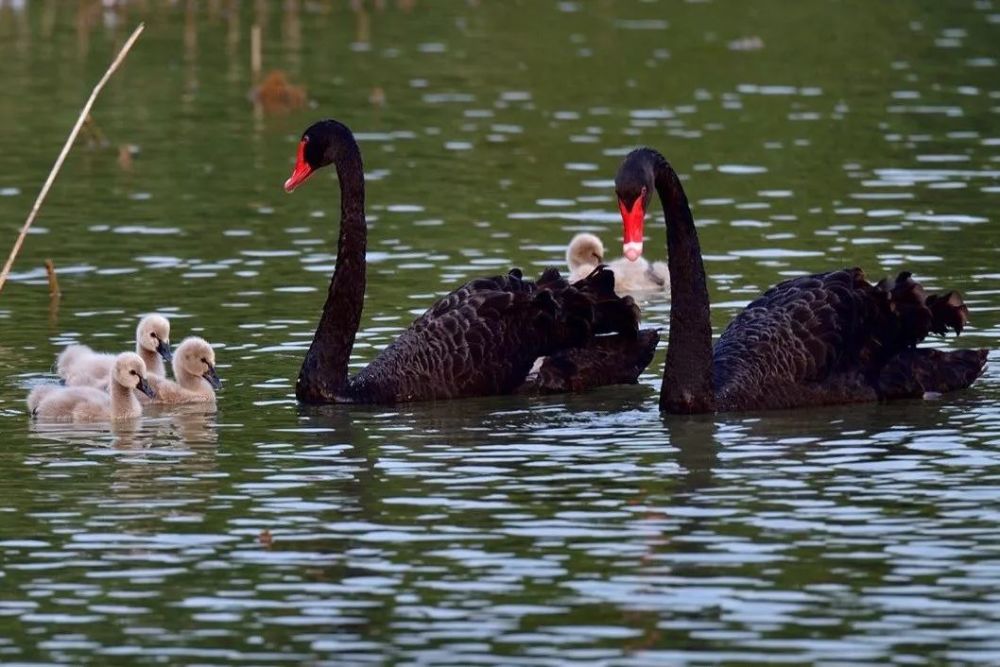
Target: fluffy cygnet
(194, 368)
(585, 251)
(80, 366)
(87, 404)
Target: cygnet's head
(153, 334)
(130, 371)
(194, 356)
(584, 250)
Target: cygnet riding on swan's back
(87, 404)
(194, 368)
(80, 366)
(585, 252)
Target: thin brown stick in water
(65, 151)
(50, 269)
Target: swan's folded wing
(798, 331)
(483, 338)
(828, 328)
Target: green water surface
(584, 529)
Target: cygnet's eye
(132, 373)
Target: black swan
(822, 339)
(482, 339)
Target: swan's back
(80, 366)
(836, 338)
(640, 275)
(76, 404)
(484, 337)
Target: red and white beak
(632, 221)
(302, 169)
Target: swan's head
(318, 147)
(584, 250)
(153, 334)
(634, 187)
(130, 371)
(194, 356)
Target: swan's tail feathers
(551, 279)
(606, 360)
(562, 315)
(916, 372)
(948, 311)
(917, 314)
(569, 315)
(612, 313)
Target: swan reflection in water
(174, 428)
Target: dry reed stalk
(65, 151)
(255, 57)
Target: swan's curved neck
(124, 404)
(152, 359)
(324, 371)
(687, 376)
(192, 381)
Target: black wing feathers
(836, 330)
(484, 337)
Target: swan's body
(194, 367)
(585, 252)
(481, 339)
(80, 366)
(822, 339)
(87, 404)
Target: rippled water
(579, 529)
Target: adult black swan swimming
(822, 339)
(481, 339)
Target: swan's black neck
(687, 377)
(324, 371)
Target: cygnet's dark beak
(163, 348)
(144, 387)
(212, 377)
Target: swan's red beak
(302, 169)
(632, 221)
